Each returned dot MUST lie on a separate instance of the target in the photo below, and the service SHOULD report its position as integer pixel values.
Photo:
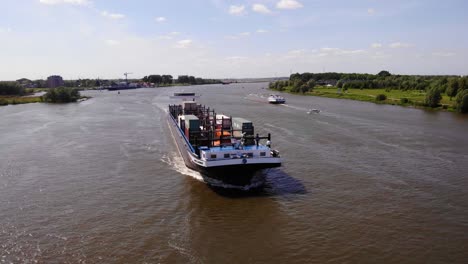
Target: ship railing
(201, 136)
(184, 137)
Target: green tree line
(434, 85)
(181, 79)
(186, 79)
(11, 88)
(158, 79)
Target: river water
(101, 181)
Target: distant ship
(185, 96)
(122, 86)
(223, 149)
(276, 99)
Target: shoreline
(410, 103)
(15, 100)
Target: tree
(296, 85)
(167, 79)
(62, 95)
(192, 80)
(384, 74)
(452, 88)
(308, 86)
(462, 84)
(182, 79)
(11, 88)
(462, 101)
(339, 84)
(157, 79)
(433, 97)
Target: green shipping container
(192, 123)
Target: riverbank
(13, 100)
(6, 100)
(408, 98)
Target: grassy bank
(394, 97)
(6, 100)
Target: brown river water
(101, 181)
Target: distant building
(55, 81)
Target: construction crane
(126, 76)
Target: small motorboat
(315, 111)
(276, 99)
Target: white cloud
(288, 4)
(443, 54)
(112, 15)
(72, 2)
(338, 51)
(259, 8)
(380, 56)
(236, 58)
(398, 45)
(262, 31)
(238, 36)
(171, 35)
(182, 44)
(370, 11)
(112, 42)
(165, 37)
(237, 10)
(376, 45)
(295, 53)
(160, 19)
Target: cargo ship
(222, 148)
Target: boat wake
(257, 98)
(177, 163)
(302, 109)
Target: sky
(230, 39)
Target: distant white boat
(276, 99)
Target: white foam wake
(177, 163)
